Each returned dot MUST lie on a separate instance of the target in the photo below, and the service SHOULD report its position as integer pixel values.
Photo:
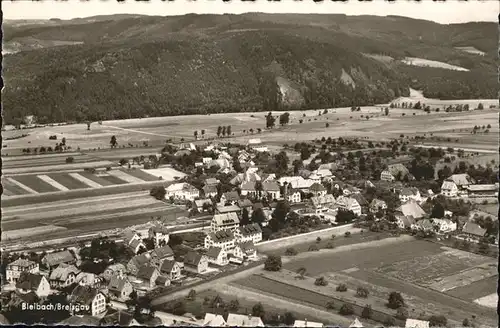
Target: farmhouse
(348, 204)
(322, 201)
(14, 269)
(171, 269)
(248, 189)
(317, 189)
(271, 189)
(162, 281)
(228, 221)
(245, 250)
(54, 259)
(473, 230)
(88, 279)
(395, 172)
(249, 232)
(410, 208)
(410, 193)
(224, 239)
(62, 276)
(33, 282)
(88, 296)
(217, 256)
(377, 205)
(302, 184)
(423, 225)
(444, 225)
(239, 320)
(195, 262)
(182, 191)
(405, 222)
(120, 287)
(113, 269)
(482, 190)
(360, 199)
(456, 185)
(220, 209)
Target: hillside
(125, 66)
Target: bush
(367, 312)
(346, 309)
(273, 263)
(402, 313)
(395, 300)
(158, 192)
(330, 245)
(347, 234)
(362, 292)
(341, 288)
(333, 236)
(318, 239)
(466, 322)
(313, 248)
(321, 281)
(330, 305)
(69, 160)
(438, 321)
(390, 322)
(291, 251)
(192, 295)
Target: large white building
(226, 221)
(14, 269)
(183, 191)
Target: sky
(451, 11)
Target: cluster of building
(462, 185)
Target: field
(84, 215)
(19, 185)
(343, 123)
(414, 268)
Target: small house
(63, 276)
(271, 189)
(195, 262)
(229, 198)
(217, 256)
(52, 260)
(377, 205)
(317, 189)
(240, 320)
(33, 282)
(148, 275)
(159, 234)
(88, 297)
(473, 230)
(14, 269)
(119, 287)
(137, 261)
(170, 269)
(224, 239)
(158, 255)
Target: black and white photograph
(215, 163)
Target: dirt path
(137, 131)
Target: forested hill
(124, 66)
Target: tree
(281, 210)
(284, 118)
(123, 161)
(270, 121)
(228, 130)
(367, 312)
(195, 133)
(291, 251)
(321, 281)
(438, 321)
(480, 106)
(219, 131)
(466, 322)
(395, 300)
(203, 134)
(158, 192)
(224, 131)
(387, 111)
(113, 142)
(234, 305)
(69, 160)
(258, 216)
(313, 248)
(192, 295)
(327, 125)
(330, 305)
(258, 310)
(346, 309)
(437, 211)
(281, 162)
(273, 263)
(245, 217)
(345, 216)
(362, 292)
(341, 288)
(289, 318)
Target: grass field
(431, 63)
(157, 130)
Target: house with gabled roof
(210, 190)
(195, 262)
(377, 205)
(248, 188)
(202, 205)
(317, 189)
(245, 250)
(456, 185)
(410, 208)
(112, 269)
(170, 269)
(473, 230)
(348, 204)
(424, 225)
(408, 193)
(395, 172)
(229, 198)
(148, 274)
(293, 196)
(414, 323)
(217, 256)
(227, 209)
(214, 320)
(63, 276)
(160, 234)
(224, 239)
(245, 203)
(158, 255)
(120, 287)
(137, 261)
(444, 225)
(271, 189)
(482, 190)
(321, 202)
(405, 222)
(14, 269)
(54, 259)
(240, 320)
(33, 282)
(250, 232)
(227, 221)
(182, 191)
(88, 296)
(119, 318)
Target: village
(248, 195)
